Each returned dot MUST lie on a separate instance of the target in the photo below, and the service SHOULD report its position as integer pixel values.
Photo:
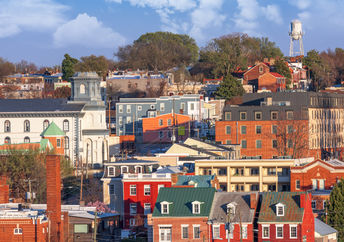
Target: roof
(292, 210)
(200, 150)
(322, 228)
(331, 163)
(169, 169)
(218, 212)
(38, 105)
(276, 74)
(52, 130)
(198, 180)
(180, 199)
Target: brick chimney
(54, 197)
(253, 200)
(4, 190)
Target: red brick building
(286, 216)
(140, 192)
(252, 75)
(160, 129)
(272, 81)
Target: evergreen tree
(68, 67)
(229, 88)
(336, 209)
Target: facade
(249, 175)
(271, 81)
(251, 76)
(295, 124)
(82, 119)
(181, 214)
(286, 216)
(234, 210)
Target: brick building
(286, 216)
(271, 81)
(252, 75)
(295, 124)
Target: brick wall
(4, 190)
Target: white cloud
(300, 4)
(35, 15)
(113, 1)
(87, 31)
(250, 14)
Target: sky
(42, 31)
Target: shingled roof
(292, 209)
(180, 199)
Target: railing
(146, 175)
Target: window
(321, 184)
(244, 231)
(314, 204)
(228, 129)
(216, 231)
(255, 187)
(239, 171)
(274, 144)
(271, 171)
(111, 171)
(314, 184)
(261, 69)
(228, 115)
(192, 106)
(169, 122)
(139, 108)
(185, 231)
(324, 204)
(7, 140)
(290, 143)
(243, 144)
(7, 126)
(66, 142)
(65, 125)
(165, 234)
(26, 140)
(258, 129)
(258, 115)
(274, 129)
(266, 231)
(133, 208)
(258, 144)
(132, 190)
(297, 185)
(274, 115)
(196, 207)
(132, 222)
(152, 106)
(279, 209)
(124, 169)
(120, 108)
(111, 189)
(228, 142)
(196, 232)
(18, 231)
(290, 115)
(81, 228)
(128, 119)
(242, 115)
(162, 107)
(58, 143)
(82, 89)
(120, 120)
(147, 190)
(161, 122)
(161, 134)
(160, 186)
(293, 231)
(182, 106)
(45, 124)
(128, 108)
(138, 169)
(243, 129)
(255, 171)
(164, 207)
(147, 208)
(290, 129)
(279, 231)
(26, 126)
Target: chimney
(54, 197)
(253, 200)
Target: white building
(82, 119)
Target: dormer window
(196, 207)
(165, 207)
(280, 209)
(231, 207)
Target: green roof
(198, 180)
(180, 199)
(46, 143)
(52, 130)
(292, 209)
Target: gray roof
(169, 169)
(218, 212)
(335, 162)
(38, 105)
(322, 228)
(92, 74)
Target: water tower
(296, 37)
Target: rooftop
(322, 228)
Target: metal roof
(322, 228)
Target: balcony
(142, 176)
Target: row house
(271, 125)
(249, 175)
(286, 216)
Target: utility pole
(95, 227)
(81, 184)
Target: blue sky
(42, 31)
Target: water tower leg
(291, 47)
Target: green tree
(336, 209)
(158, 51)
(98, 64)
(68, 64)
(229, 88)
(282, 68)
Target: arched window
(66, 143)
(65, 125)
(82, 89)
(7, 140)
(26, 140)
(26, 126)
(45, 124)
(7, 126)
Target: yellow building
(250, 175)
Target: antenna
(296, 34)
